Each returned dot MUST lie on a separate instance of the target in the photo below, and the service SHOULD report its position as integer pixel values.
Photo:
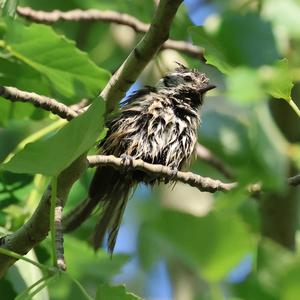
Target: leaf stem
(82, 289)
(26, 292)
(294, 107)
(19, 256)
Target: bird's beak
(208, 88)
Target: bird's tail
(112, 190)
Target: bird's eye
(188, 78)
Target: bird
(157, 124)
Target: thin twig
(80, 106)
(49, 104)
(105, 16)
(206, 155)
(204, 184)
(59, 239)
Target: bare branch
(110, 16)
(206, 155)
(204, 184)
(59, 239)
(49, 104)
(105, 16)
(184, 47)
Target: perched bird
(156, 124)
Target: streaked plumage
(156, 124)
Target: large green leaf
(70, 71)
(204, 241)
(52, 155)
(105, 292)
(18, 74)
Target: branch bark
(105, 16)
(204, 184)
(15, 95)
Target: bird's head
(185, 83)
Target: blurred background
(176, 242)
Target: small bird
(156, 124)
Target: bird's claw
(172, 176)
(127, 162)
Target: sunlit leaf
(278, 80)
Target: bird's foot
(172, 175)
(127, 162)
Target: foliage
(251, 52)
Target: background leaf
(205, 244)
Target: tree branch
(204, 184)
(105, 16)
(49, 104)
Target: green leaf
(268, 272)
(52, 155)
(70, 71)
(214, 53)
(278, 80)
(204, 241)
(18, 74)
(236, 42)
(290, 288)
(105, 292)
(244, 85)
